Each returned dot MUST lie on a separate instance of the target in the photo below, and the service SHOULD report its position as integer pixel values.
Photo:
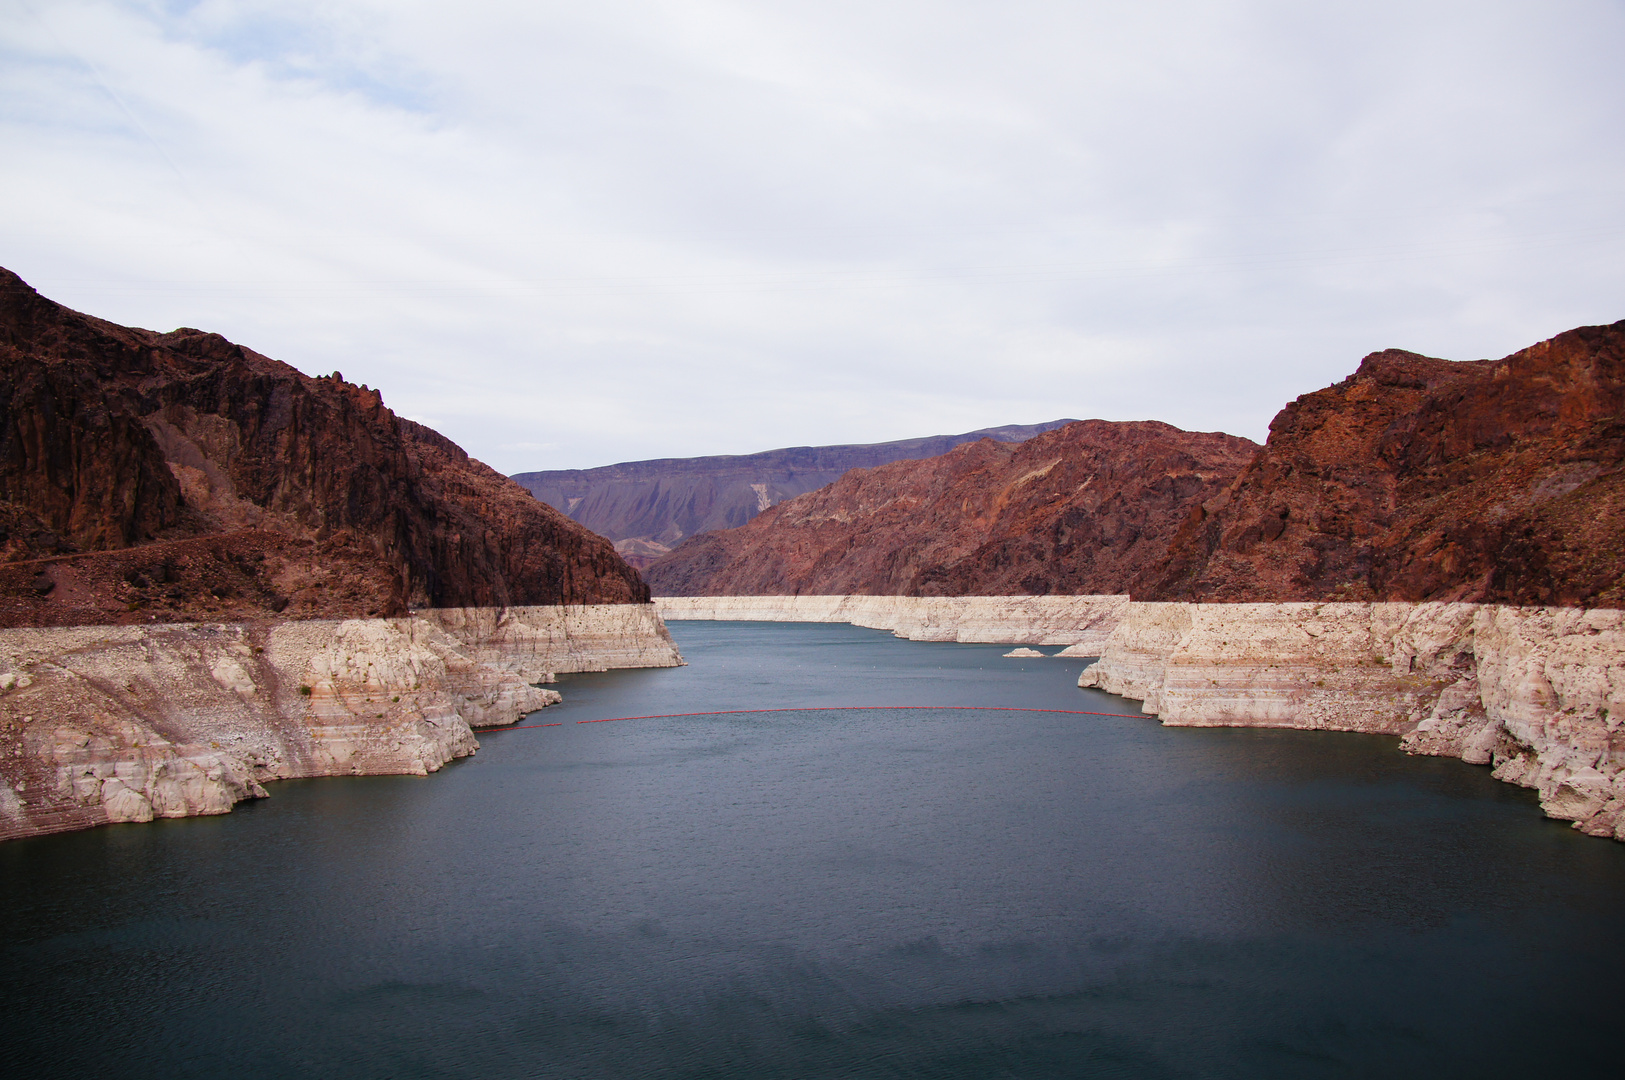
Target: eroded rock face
(1535, 692)
(106, 724)
(155, 477)
(1422, 479)
(1085, 509)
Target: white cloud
(572, 234)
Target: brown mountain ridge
(1424, 479)
(1082, 509)
(1413, 479)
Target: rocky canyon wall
(1414, 479)
(177, 477)
(1490, 481)
(127, 723)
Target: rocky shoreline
(1537, 693)
(1083, 622)
(104, 724)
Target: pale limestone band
(1000, 620)
(128, 723)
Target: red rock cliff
(1422, 479)
(147, 476)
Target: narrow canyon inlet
(705, 889)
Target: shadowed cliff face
(178, 475)
(1083, 509)
(1422, 479)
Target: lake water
(880, 893)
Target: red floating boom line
(815, 708)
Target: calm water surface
(893, 893)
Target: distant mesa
(646, 507)
(1023, 652)
(168, 477)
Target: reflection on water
(825, 893)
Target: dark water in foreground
(833, 894)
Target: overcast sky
(567, 234)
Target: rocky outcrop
(1081, 622)
(648, 506)
(534, 640)
(105, 724)
(1085, 509)
(1537, 693)
(150, 477)
(1422, 479)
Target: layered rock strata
(1536, 693)
(127, 723)
(1082, 622)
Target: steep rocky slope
(1423, 479)
(648, 506)
(163, 477)
(1082, 509)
